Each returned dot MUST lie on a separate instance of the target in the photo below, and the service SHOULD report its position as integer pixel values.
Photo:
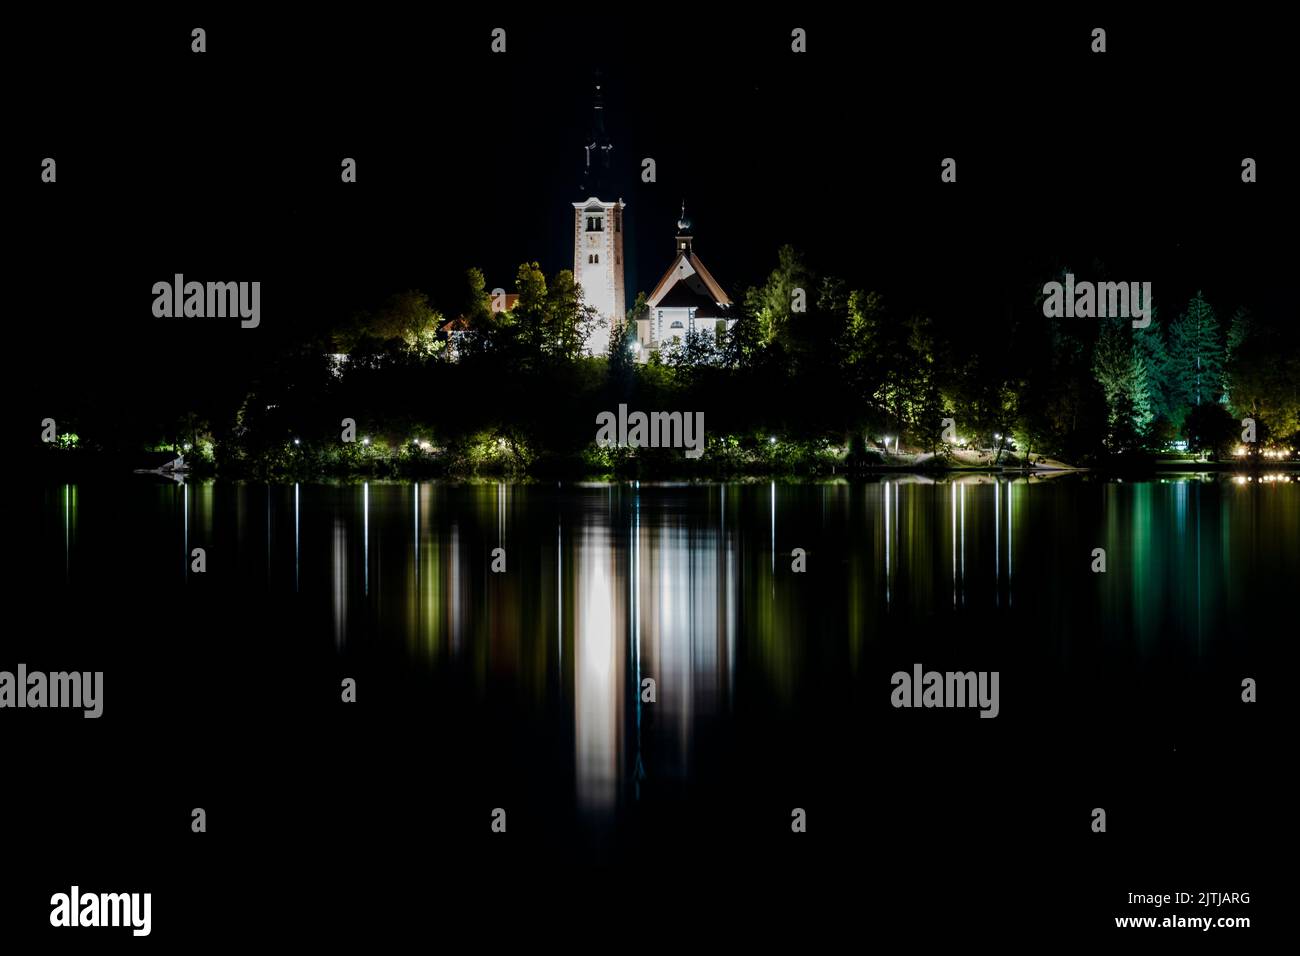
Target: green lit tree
(740, 345)
(1196, 355)
(1263, 373)
(1120, 367)
(773, 303)
(405, 322)
(530, 311)
(569, 321)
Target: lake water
(522, 689)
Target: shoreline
(102, 467)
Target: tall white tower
(598, 235)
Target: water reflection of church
(660, 602)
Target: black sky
(226, 165)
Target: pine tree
(772, 304)
(1150, 344)
(1121, 369)
(1196, 355)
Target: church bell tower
(598, 233)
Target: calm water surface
(771, 685)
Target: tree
(622, 345)
(863, 342)
(742, 342)
(482, 327)
(695, 351)
(1154, 354)
(925, 406)
(1196, 355)
(1120, 368)
(405, 320)
(569, 320)
(529, 313)
(1210, 427)
(1262, 372)
(773, 303)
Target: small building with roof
(687, 299)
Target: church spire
(684, 232)
(598, 107)
(595, 170)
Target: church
(687, 298)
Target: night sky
(1124, 166)
(225, 166)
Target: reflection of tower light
(1011, 542)
(962, 495)
(887, 513)
(634, 597)
(997, 543)
(340, 581)
(456, 606)
(501, 514)
(67, 532)
(773, 494)
(598, 673)
(729, 596)
(954, 543)
(686, 595)
(559, 602)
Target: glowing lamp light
(365, 441)
(297, 442)
(772, 440)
